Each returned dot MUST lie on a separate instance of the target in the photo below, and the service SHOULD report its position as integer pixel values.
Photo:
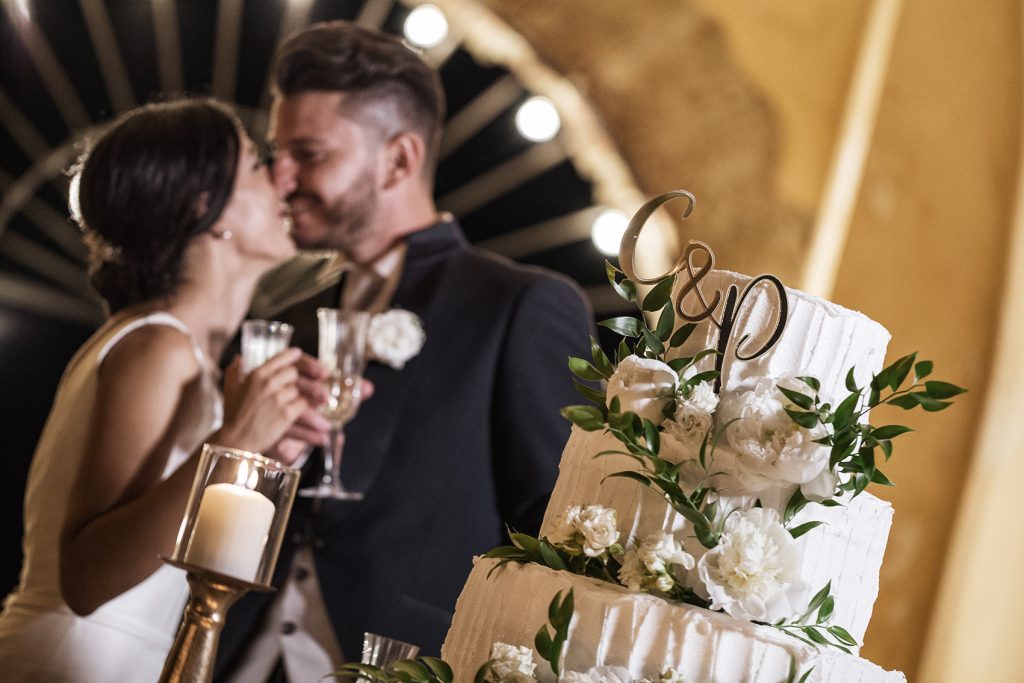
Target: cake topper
(733, 298)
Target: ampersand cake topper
(701, 308)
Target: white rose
(645, 386)
(512, 663)
(598, 674)
(589, 530)
(395, 337)
(754, 571)
(767, 443)
(598, 528)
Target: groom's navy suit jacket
(462, 442)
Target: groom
(453, 448)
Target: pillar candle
(231, 530)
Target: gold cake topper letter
(733, 298)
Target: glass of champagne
(261, 341)
(342, 351)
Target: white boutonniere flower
(395, 337)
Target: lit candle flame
(247, 476)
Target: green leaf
(588, 418)
(529, 544)
(652, 437)
(851, 382)
(666, 321)
(842, 635)
(798, 531)
(902, 369)
(886, 447)
(622, 351)
(659, 295)
(796, 503)
(805, 420)
(812, 382)
(803, 679)
(938, 389)
(564, 616)
(678, 364)
(930, 404)
(680, 336)
(878, 478)
(813, 634)
(922, 370)
(846, 412)
(503, 551)
(482, 672)
(906, 401)
(584, 370)
(635, 476)
(652, 341)
(601, 362)
(624, 288)
(801, 400)
(706, 376)
(411, 667)
(442, 671)
(625, 325)
(889, 431)
(551, 557)
(826, 609)
(819, 598)
(594, 395)
(542, 643)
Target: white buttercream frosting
(613, 627)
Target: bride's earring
(222, 235)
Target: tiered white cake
(646, 634)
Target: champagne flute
(342, 351)
(261, 341)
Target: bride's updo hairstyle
(159, 176)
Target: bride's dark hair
(156, 178)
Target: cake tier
(821, 339)
(846, 550)
(642, 633)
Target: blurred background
(868, 152)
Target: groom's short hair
(385, 82)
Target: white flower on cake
(651, 564)
(645, 386)
(671, 676)
(598, 674)
(590, 530)
(511, 663)
(754, 571)
(693, 415)
(395, 337)
(770, 448)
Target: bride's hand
(260, 408)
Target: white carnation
(590, 530)
(766, 442)
(512, 663)
(654, 563)
(395, 337)
(644, 386)
(754, 571)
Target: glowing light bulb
(538, 120)
(607, 231)
(426, 26)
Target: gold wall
(745, 105)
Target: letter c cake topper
(733, 298)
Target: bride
(182, 219)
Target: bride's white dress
(126, 639)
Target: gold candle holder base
(211, 594)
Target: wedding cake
(709, 520)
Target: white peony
(754, 571)
(590, 530)
(769, 447)
(597, 674)
(654, 562)
(692, 419)
(512, 663)
(395, 337)
(645, 386)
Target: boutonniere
(395, 337)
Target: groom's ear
(406, 153)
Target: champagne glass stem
(332, 457)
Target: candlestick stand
(211, 594)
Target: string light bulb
(426, 26)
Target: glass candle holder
(236, 515)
